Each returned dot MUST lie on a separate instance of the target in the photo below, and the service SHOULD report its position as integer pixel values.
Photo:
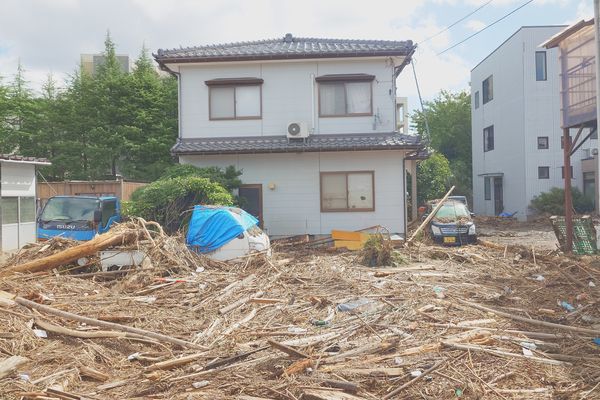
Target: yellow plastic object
(349, 244)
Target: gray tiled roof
(31, 160)
(287, 47)
(280, 144)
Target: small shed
(18, 200)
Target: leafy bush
(229, 177)
(553, 202)
(166, 201)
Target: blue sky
(48, 35)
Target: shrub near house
(553, 202)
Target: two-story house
(516, 126)
(311, 123)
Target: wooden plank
(322, 394)
(10, 364)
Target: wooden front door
(251, 200)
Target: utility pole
(597, 34)
(568, 197)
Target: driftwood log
(101, 242)
(110, 325)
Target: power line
(457, 22)
(488, 26)
(421, 101)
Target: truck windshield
(70, 209)
(453, 211)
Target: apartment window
(543, 143)
(541, 73)
(488, 138)
(347, 191)
(487, 88)
(476, 99)
(238, 98)
(345, 95)
(543, 172)
(487, 188)
(562, 172)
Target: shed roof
(280, 144)
(288, 47)
(23, 159)
(565, 33)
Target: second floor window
(345, 95)
(543, 143)
(487, 88)
(541, 73)
(476, 99)
(238, 98)
(488, 138)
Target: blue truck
(77, 217)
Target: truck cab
(77, 217)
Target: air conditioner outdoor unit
(297, 130)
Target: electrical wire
(421, 101)
(486, 27)
(456, 22)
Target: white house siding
(287, 96)
(522, 109)
(293, 207)
(17, 180)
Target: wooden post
(431, 215)
(568, 198)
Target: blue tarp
(213, 227)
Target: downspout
(312, 102)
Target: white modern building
(18, 201)
(516, 127)
(311, 123)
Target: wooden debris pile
(472, 322)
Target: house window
(562, 172)
(347, 191)
(541, 73)
(26, 209)
(10, 210)
(488, 138)
(487, 88)
(345, 95)
(238, 98)
(542, 143)
(487, 188)
(476, 99)
(543, 172)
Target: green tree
(449, 118)
(433, 178)
(168, 201)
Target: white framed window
(236, 98)
(347, 191)
(347, 95)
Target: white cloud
(475, 25)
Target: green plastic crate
(584, 234)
